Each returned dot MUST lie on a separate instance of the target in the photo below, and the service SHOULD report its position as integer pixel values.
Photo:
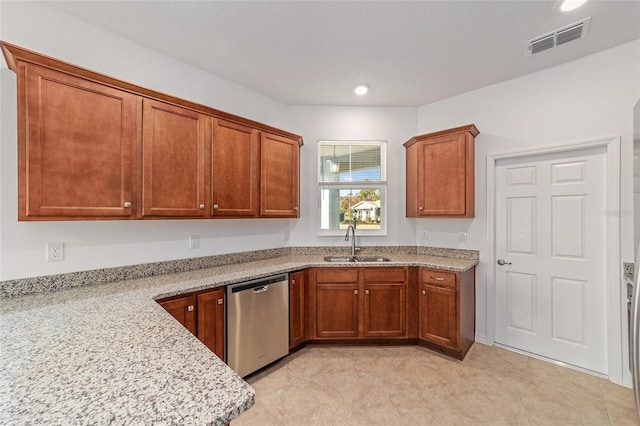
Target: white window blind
(352, 185)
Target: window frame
(381, 185)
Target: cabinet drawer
(447, 279)
(387, 275)
(337, 276)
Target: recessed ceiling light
(361, 89)
(568, 5)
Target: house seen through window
(352, 182)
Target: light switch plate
(463, 237)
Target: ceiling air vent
(541, 44)
(560, 36)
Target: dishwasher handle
(260, 283)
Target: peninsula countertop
(108, 353)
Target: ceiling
(411, 53)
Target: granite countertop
(108, 353)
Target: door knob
(502, 262)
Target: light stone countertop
(109, 354)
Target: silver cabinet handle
(355, 291)
(201, 206)
(220, 301)
(295, 208)
(190, 308)
(437, 278)
(215, 207)
(127, 204)
(503, 262)
(424, 292)
(366, 292)
(293, 282)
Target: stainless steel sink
(340, 259)
(372, 259)
(343, 259)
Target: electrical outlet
(425, 235)
(463, 237)
(55, 252)
(194, 241)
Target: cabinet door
(235, 167)
(296, 309)
(385, 302)
(211, 320)
(279, 176)
(337, 310)
(76, 140)
(385, 310)
(173, 161)
(182, 309)
(439, 316)
(442, 176)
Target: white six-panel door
(550, 245)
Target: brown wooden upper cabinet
(279, 176)
(440, 173)
(235, 170)
(76, 140)
(173, 161)
(94, 147)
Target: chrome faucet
(351, 228)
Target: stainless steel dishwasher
(257, 323)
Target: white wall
(585, 99)
(92, 245)
(394, 125)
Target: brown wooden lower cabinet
(385, 310)
(182, 309)
(438, 315)
(447, 310)
(348, 303)
(211, 320)
(337, 310)
(297, 320)
(393, 305)
(202, 314)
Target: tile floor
(410, 385)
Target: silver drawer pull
(437, 278)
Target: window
(352, 181)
